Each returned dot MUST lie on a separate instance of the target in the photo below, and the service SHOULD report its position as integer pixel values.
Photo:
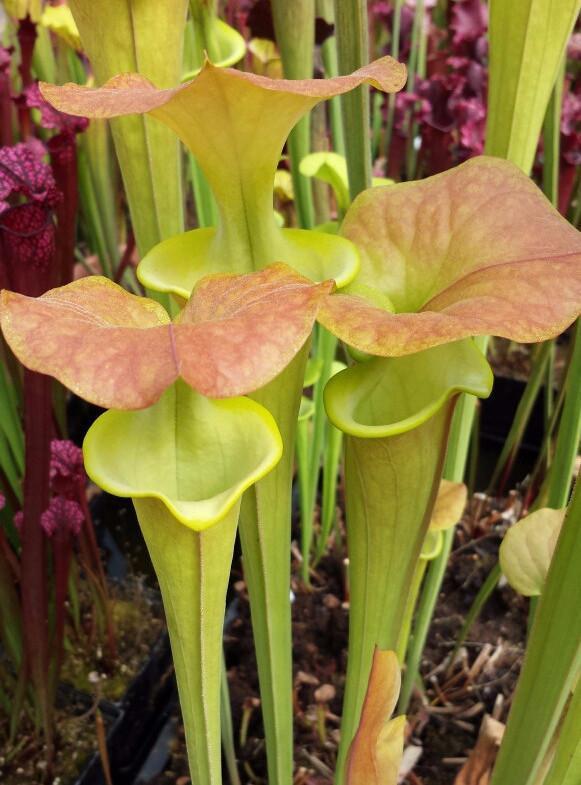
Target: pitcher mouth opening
(195, 455)
(390, 396)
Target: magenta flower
(63, 518)
(23, 172)
(67, 470)
(469, 21)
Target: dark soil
(443, 721)
(91, 687)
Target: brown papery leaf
(478, 768)
(449, 506)
(375, 753)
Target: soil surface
(444, 718)
(91, 687)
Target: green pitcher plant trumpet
(185, 462)
(444, 259)
(395, 414)
(236, 333)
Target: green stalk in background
(521, 418)
(416, 67)
(552, 662)
(227, 728)
(527, 44)
(294, 24)
(325, 353)
(97, 189)
(552, 139)
(325, 10)
(122, 36)
(331, 463)
(395, 33)
(265, 534)
(569, 435)
(353, 52)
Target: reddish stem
(38, 434)
(6, 138)
(566, 183)
(9, 556)
(63, 159)
(126, 258)
(26, 41)
(32, 280)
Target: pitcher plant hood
(118, 350)
(236, 124)
(195, 455)
(477, 250)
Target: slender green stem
(265, 535)
(425, 611)
(206, 208)
(395, 54)
(326, 347)
(203, 18)
(302, 450)
(416, 67)
(484, 594)
(406, 625)
(353, 52)
(8, 468)
(551, 664)
(325, 10)
(552, 139)
(93, 219)
(332, 459)
(522, 415)
(294, 24)
(569, 431)
(227, 730)
(200, 32)
(549, 399)
(9, 417)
